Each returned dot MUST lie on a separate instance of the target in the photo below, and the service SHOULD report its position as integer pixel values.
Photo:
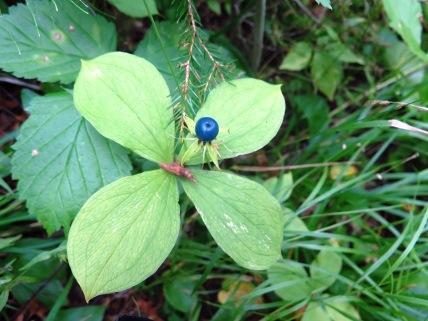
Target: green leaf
(46, 39)
(86, 313)
(249, 113)
(124, 232)
(342, 53)
(325, 3)
(293, 224)
(331, 309)
(280, 186)
(136, 8)
(315, 109)
(243, 218)
(325, 268)
(150, 48)
(60, 160)
(4, 295)
(326, 73)
(298, 57)
(126, 99)
(171, 34)
(404, 17)
(291, 280)
(179, 293)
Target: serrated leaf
(243, 218)
(327, 73)
(126, 99)
(325, 268)
(291, 280)
(404, 17)
(249, 113)
(60, 160)
(136, 8)
(124, 232)
(325, 3)
(298, 57)
(46, 39)
(331, 309)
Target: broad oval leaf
(249, 113)
(331, 309)
(61, 160)
(124, 232)
(327, 73)
(243, 218)
(290, 280)
(298, 57)
(136, 8)
(46, 39)
(404, 17)
(126, 99)
(325, 269)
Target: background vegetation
(349, 165)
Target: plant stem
(259, 30)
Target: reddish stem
(178, 170)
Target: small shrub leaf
(291, 280)
(46, 39)
(325, 268)
(61, 160)
(136, 8)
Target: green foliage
(46, 39)
(325, 3)
(124, 233)
(290, 280)
(298, 57)
(331, 309)
(257, 113)
(136, 8)
(241, 216)
(405, 18)
(60, 160)
(354, 208)
(327, 73)
(325, 268)
(131, 89)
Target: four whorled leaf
(127, 100)
(46, 39)
(124, 232)
(249, 113)
(241, 215)
(60, 160)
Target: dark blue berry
(206, 129)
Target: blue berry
(206, 129)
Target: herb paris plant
(126, 230)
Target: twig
(259, 30)
(14, 81)
(261, 169)
(307, 12)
